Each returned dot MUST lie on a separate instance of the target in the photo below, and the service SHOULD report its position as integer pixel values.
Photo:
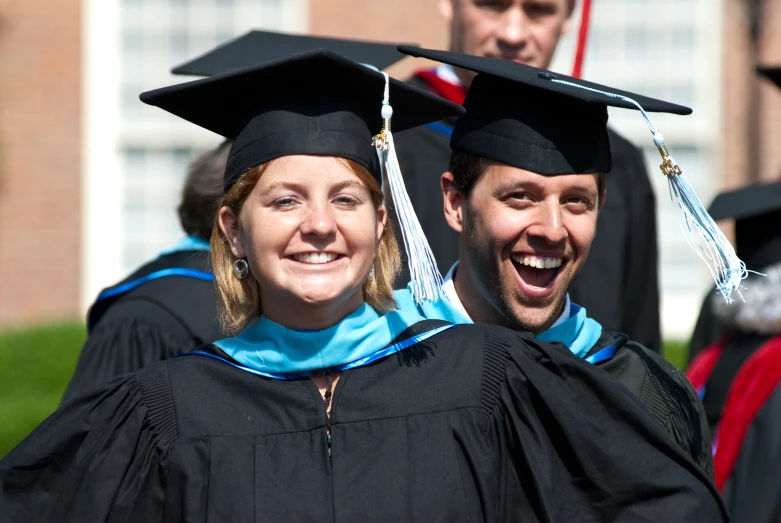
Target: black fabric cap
(317, 102)
(256, 47)
(771, 73)
(516, 115)
(757, 213)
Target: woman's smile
(316, 258)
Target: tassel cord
(701, 232)
(426, 281)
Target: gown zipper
(327, 401)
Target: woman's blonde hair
(239, 301)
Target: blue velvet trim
(440, 128)
(603, 355)
(396, 347)
(129, 286)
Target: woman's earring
(240, 269)
(371, 274)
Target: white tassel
(701, 232)
(426, 281)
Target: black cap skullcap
(516, 114)
(757, 213)
(256, 47)
(317, 102)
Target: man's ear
(446, 8)
(602, 197)
(231, 228)
(453, 202)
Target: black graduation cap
(757, 213)
(518, 115)
(256, 47)
(316, 102)
(772, 73)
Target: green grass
(35, 366)
(677, 353)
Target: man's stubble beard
(483, 264)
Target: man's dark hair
(202, 192)
(467, 169)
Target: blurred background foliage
(36, 364)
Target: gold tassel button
(668, 167)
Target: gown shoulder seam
(494, 366)
(154, 385)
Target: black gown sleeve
(668, 395)
(582, 447)
(102, 457)
(752, 491)
(130, 337)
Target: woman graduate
(330, 405)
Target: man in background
(619, 284)
(167, 306)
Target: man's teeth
(538, 263)
(315, 257)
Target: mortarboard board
(550, 124)
(756, 210)
(316, 103)
(771, 73)
(257, 47)
(515, 115)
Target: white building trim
(101, 177)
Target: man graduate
(619, 285)
(524, 190)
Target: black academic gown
(476, 423)
(752, 492)
(151, 321)
(743, 373)
(619, 284)
(663, 389)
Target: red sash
(753, 385)
(449, 91)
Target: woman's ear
(382, 220)
(231, 228)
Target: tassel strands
(426, 281)
(701, 232)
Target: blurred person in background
(524, 189)
(709, 329)
(329, 404)
(619, 286)
(739, 376)
(167, 306)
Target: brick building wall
(752, 105)
(40, 121)
(770, 94)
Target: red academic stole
(449, 91)
(755, 382)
